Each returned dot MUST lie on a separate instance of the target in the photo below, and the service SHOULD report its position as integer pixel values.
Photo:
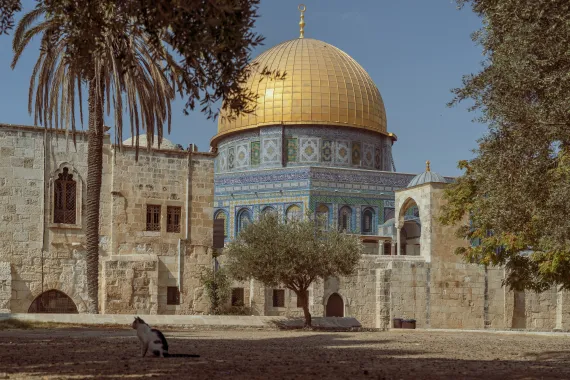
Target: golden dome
(322, 85)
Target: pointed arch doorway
(335, 306)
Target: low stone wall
(5, 287)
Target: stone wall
(5, 286)
(130, 284)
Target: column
(398, 241)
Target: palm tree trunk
(94, 173)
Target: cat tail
(167, 355)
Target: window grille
(152, 218)
(65, 194)
(367, 221)
(278, 297)
(173, 214)
(238, 298)
(172, 295)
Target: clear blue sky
(414, 50)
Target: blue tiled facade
(307, 167)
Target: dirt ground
(263, 354)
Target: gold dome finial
(302, 8)
(427, 166)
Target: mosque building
(317, 141)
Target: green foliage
(292, 254)
(515, 191)
(214, 40)
(217, 285)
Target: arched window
(244, 219)
(65, 198)
(53, 301)
(222, 215)
(322, 214)
(344, 219)
(367, 221)
(294, 213)
(268, 210)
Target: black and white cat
(154, 340)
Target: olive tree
(293, 254)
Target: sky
(415, 51)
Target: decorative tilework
(386, 158)
(326, 150)
(231, 157)
(356, 153)
(242, 155)
(368, 155)
(389, 213)
(270, 150)
(342, 152)
(292, 150)
(378, 158)
(255, 152)
(309, 149)
(223, 160)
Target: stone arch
(53, 301)
(334, 306)
(409, 228)
(69, 289)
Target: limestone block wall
(130, 284)
(409, 291)
(5, 286)
(496, 301)
(201, 199)
(193, 297)
(158, 178)
(540, 309)
(457, 295)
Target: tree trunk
(302, 295)
(93, 197)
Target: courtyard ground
(104, 353)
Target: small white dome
(426, 177)
(166, 144)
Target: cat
(154, 340)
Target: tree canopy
(516, 188)
(291, 254)
(213, 38)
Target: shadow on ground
(284, 354)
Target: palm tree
(146, 79)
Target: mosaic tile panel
(292, 150)
(367, 155)
(326, 150)
(356, 153)
(386, 158)
(389, 213)
(378, 158)
(223, 160)
(342, 152)
(309, 149)
(231, 157)
(255, 153)
(271, 150)
(242, 156)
